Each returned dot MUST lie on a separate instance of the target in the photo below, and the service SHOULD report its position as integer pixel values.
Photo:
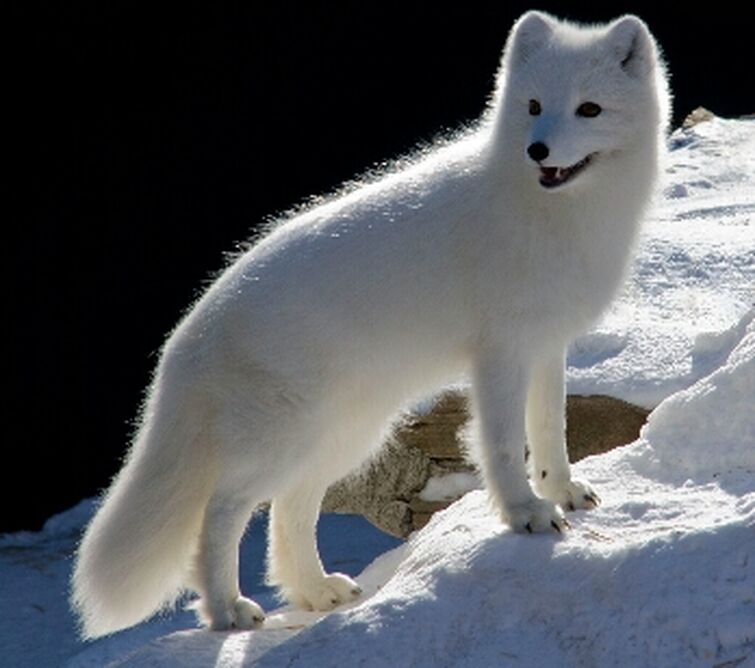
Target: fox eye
(535, 108)
(589, 110)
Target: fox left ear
(633, 46)
(530, 33)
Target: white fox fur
(472, 260)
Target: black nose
(538, 151)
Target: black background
(145, 142)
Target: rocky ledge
(423, 466)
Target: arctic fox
(482, 258)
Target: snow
(662, 573)
(692, 280)
(37, 629)
(727, 400)
(449, 486)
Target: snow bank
(693, 278)
(710, 427)
(661, 574)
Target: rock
(596, 424)
(381, 491)
(436, 432)
(387, 491)
(699, 115)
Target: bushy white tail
(136, 554)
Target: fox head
(571, 97)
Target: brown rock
(436, 432)
(699, 115)
(382, 489)
(387, 490)
(596, 424)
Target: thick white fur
(286, 373)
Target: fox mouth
(553, 177)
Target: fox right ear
(632, 46)
(529, 34)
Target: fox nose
(538, 151)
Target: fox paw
(574, 495)
(327, 593)
(536, 516)
(242, 614)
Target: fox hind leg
(294, 563)
(221, 606)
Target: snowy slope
(692, 280)
(661, 574)
(37, 629)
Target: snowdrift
(678, 316)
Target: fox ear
(530, 33)
(632, 45)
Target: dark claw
(594, 499)
(567, 524)
(528, 526)
(555, 526)
(571, 507)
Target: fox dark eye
(535, 108)
(589, 110)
